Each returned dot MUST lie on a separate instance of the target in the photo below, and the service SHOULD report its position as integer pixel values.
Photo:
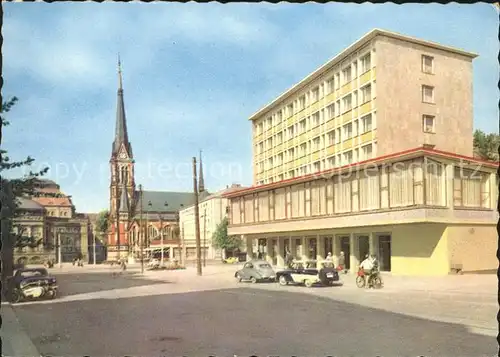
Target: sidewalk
(15, 341)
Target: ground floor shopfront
(405, 249)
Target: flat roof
(353, 47)
(403, 155)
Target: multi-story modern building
(383, 94)
(212, 210)
(373, 153)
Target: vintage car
(307, 275)
(255, 271)
(32, 284)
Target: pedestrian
(341, 265)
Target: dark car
(298, 274)
(32, 284)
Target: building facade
(212, 210)
(364, 103)
(422, 212)
(373, 153)
(49, 219)
(140, 221)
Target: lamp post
(148, 243)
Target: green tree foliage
(11, 189)
(221, 240)
(486, 145)
(102, 223)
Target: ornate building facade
(139, 218)
(48, 220)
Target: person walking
(341, 265)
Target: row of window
(366, 152)
(333, 83)
(334, 136)
(320, 117)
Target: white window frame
(346, 135)
(364, 122)
(424, 87)
(364, 149)
(347, 74)
(365, 98)
(426, 117)
(365, 67)
(347, 105)
(426, 69)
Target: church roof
(166, 201)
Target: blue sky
(193, 74)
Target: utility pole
(197, 219)
(141, 232)
(205, 237)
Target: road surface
(98, 315)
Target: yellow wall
(474, 247)
(419, 249)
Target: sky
(192, 76)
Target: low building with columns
(421, 212)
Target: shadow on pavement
(242, 321)
(73, 284)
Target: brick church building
(136, 215)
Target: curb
(15, 341)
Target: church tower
(122, 186)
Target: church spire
(201, 181)
(121, 135)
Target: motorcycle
(374, 279)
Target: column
(170, 252)
(268, 248)
(248, 246)
(335, 246)
(353, 259)
(303, 248)
(281, 247)
(448, 193)
(372, 246)
(293, 247)
(320, 250)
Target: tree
(102, 222)
(11, 190)
(221, 240)
(486, 145)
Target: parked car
(32, 284)
(230, 260)
(255, 271)
(298, 274)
